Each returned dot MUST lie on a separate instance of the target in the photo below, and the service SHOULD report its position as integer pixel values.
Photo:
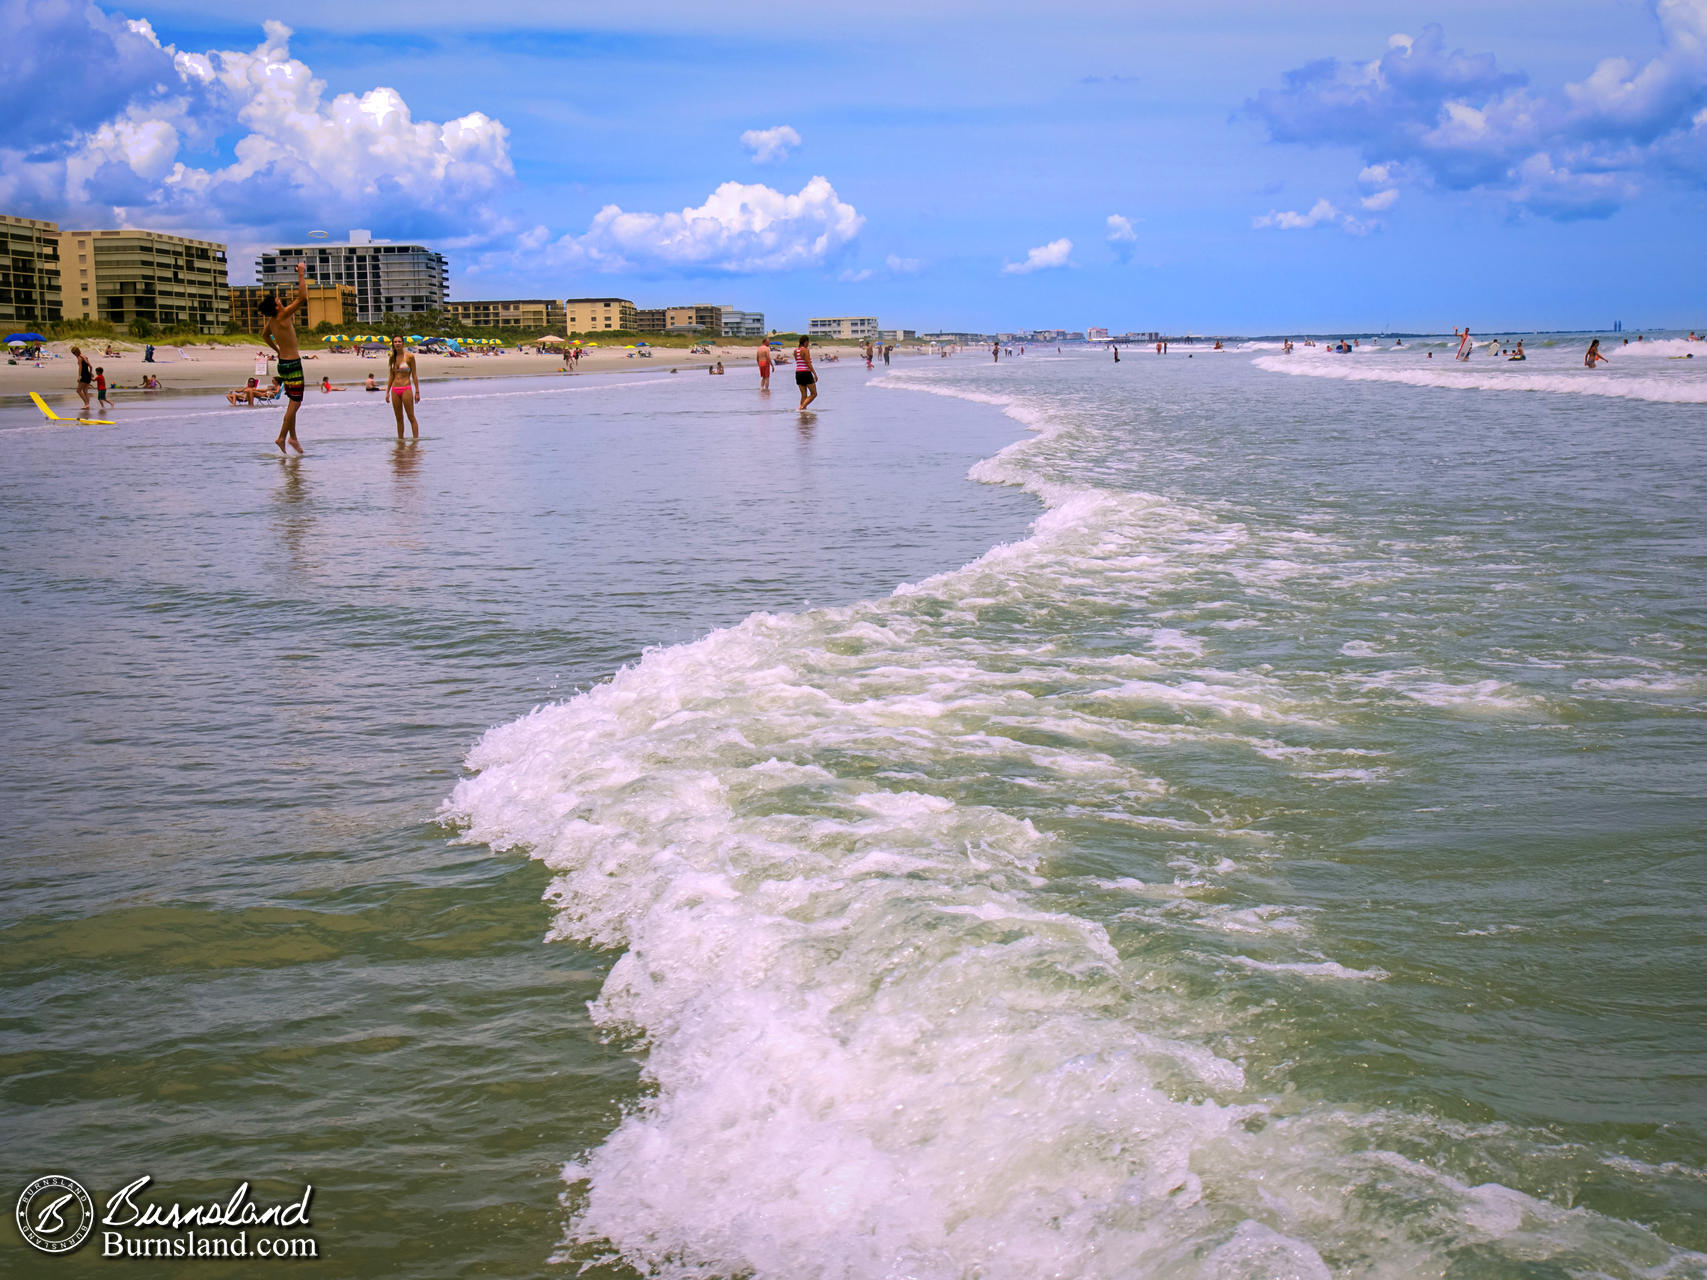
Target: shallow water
(236, 944)
(1284, 860)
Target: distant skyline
(1231, 168)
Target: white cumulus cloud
(1057, 253)
(740, 227)
(1423, 112)
(1287, 220)
(1380, 200)
(770, 144)
(1120, 230)
(298, 158)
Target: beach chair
(54, 417)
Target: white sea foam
(875, 1040)
(1582, 382)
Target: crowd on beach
(402, 385)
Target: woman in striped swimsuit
(804, 377)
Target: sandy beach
(225, 366)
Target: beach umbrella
(24, 337)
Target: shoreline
(224, 368)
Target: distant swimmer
(370, 384)
(995, 353)
(805, 376)
(1592, 356)
(1117, 355)
(403, 387)
(278, 331)
(1518, 353)
(716, 369)
(326, 384)
(764, 357)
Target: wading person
(403, 387)
(805, 377)
(85, 376)
(278, 331)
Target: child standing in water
(278, 331)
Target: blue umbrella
(24, 337)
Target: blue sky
(1214, 168)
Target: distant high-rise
(124, 275)
(29, 272)
(388, 279)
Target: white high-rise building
(388, 279)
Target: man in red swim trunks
(764, 364)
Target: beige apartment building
(596, 315)
(650, 320)
(119, 276)
(515, 313)
(333, 304)
(700, 318)
(29, 273)
(844, 328)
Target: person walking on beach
(805, 377)
(403, 387)
(85, 376)
(1592, 356)
(278, 331)
(101, 388)
(764, 354)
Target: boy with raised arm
(278, 331)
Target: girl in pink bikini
(403, 387)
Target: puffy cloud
(296, 159)
(1460, 121)
(740, 227)
(1286, 220)
(1380, 200)
(1057, 253)
(1122, 237)
(65, 66)
(770, 144)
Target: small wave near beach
(901, 1006)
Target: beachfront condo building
(844, 328)
(742, 324)
(29, 273)
(897, 335)
(650, 319)
(125, 275)
(700, 318)
(598, 315)
(388, 279)
(1094, 334)
(511, 313)
(333, 304)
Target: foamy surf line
(1588, 383)
(875, 1043)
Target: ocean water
(1260, 836)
